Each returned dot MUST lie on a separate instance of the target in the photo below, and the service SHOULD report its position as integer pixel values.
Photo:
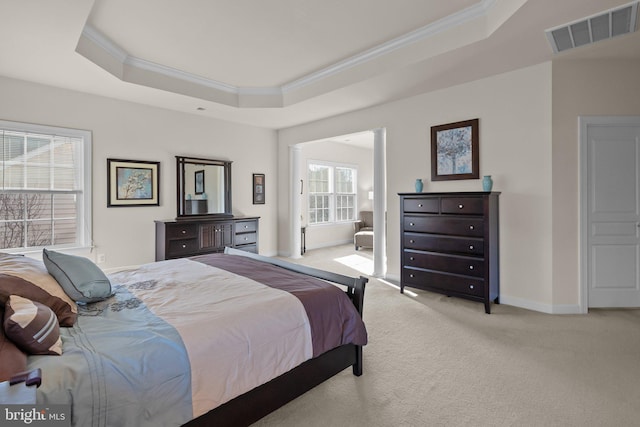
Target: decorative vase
(487, 183)
(419, 185)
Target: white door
(611, 160)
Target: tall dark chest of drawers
(450, 244)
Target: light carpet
(438, 361)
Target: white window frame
(332, 192)
(84, 214)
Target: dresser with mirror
(204, 222)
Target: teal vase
(419, 185)
(487, 183)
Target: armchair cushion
(363, 230)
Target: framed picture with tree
(454, 151)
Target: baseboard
(329, 244)
(543, 308)
(520, 302)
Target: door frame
(584, 122)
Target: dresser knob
(460, 206)
(184, 231)
(246, 238)
(411, 224)
(470, 286)
(419, 205)
(471, 267)
(471, 227)
(184, 246)
(411, 275)
(246, 226)
(470, 247)
(411, 258)
(412, 241)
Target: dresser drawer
(449, 263)
(179, 231)
(245, 238)
(426, 205)
(248, 248)
(462, 205)
(182, 246)
(245, 226)
(443, 282)
(445, 225)
(431, 243)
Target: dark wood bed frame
(262, 400)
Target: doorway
(376, 140)
(610, 212)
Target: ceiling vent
(615, 22)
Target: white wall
(581, 88)
(515, 148)
(126, 235)
(318, 236)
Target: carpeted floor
(438, 361)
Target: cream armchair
(363, 231)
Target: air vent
(605, 25)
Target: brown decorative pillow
(12, 359)
(32, 326)
(28, 278)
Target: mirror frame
(180, 176)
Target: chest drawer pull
(471, 267)
(460, 206)
(412, 241)
(184, 246)
(470, 286)
(411, 275)
(184, 231)
(411, 224)
(471, 227)
(411, 258)
(470, 247)
(419, 205)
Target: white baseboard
(537, 306)
(520, 302)
(329, 244)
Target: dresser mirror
(204, 187)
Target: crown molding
(262, 96)
(401, 42)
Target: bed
(217, 339)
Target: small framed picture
(454, 151)
(258, 189)
(199, 180)
(132, 183)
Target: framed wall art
(258, 189)
(199, 182)
(132, 183)
(454, 151)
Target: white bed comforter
(238, 333)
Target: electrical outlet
(102, 258)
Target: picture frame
(199, 182)
(132, 183)
(455, 151)
(258, 189)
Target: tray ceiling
(280, 63)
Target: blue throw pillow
(80, 278)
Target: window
(332, 193)
(45, 187)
